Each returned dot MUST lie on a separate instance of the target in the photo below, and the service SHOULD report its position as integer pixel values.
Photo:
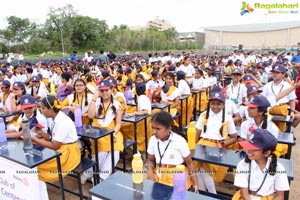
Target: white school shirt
(271, 90)
(174, 95)
(230, 107)
(189, 70)
(64, 130)
(277, 182)
(144, 103)
(239, 91)
(211, 80)
(184, 88)
(243, 110)
(109, 116)
(154, 84)
(214, 124)
(245, 133)
(18, 77)
(174, 154)
(84, 108)
(198, 83)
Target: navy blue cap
(105, 84)
(216, 88)
(165, 88)
(5, 83)
(171, 68)
(250, 69)
(129, 82)
(258, 101)
(105, 73)
(180, 74)
(217, 96)
(112, 81)
(248, 78)
(27, 101)
(140, 86)
(279, 68)
(18, 84)
(253, 89)
(237, 71)
(260, 139)
(35, 78)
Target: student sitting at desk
(106, 113)
(143, 108)
(64, 140)
(166, 150)
(216, 129)
(266, 178)
(37, 122)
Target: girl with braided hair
(106, 113)
(259, 175)
(216, 129)
(80, 97)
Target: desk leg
(135, 138)
(61, 183)
(146, 136)
(195, 109)
(112, 153)
(186, 111)
(287, 193)
(97, 161)
(289, 153)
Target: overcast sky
(185, 15)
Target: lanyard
(105, 110)
(266, 173)
(162, 155)
(273, 90)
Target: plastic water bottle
(191, 134)
(137, 169)
(128, 94)
(26, 135)
(3, 138)
(179, 180)
(150, 94)
(78, 116)
(52, 88)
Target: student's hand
(150, 175)
(196, 188)
(292, 114)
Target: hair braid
(100, 107)
(113, 106)
(273, 165)
(223, 120)
(207, 115)
(86, 97)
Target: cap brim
(248, 81)
(214, 98)
(104, 88)
(247, 145)
(250, 105)
(27, 106)
(254, 91)
(39, 126)
(17, 87)
(277, 71)
(4, 85)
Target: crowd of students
(260, 85)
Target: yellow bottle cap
(180, 168)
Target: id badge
(158, 173)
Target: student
(216, 129)
(37, 122)
(166, 150)
(36, 89)
(273, 88)
(143, 108)
(187, 107)
(5, 93)
(63, 139)
(80, 97)
(237, 91)
(106, 113)
(267, 178)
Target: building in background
(280, 35)
(196, 38)
(159, 24)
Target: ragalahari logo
(245, 8)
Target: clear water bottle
(179, 180)
(26, 135)
(3, 138)
(78, 116)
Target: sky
(185, 15)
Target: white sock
(201, 182)
(43, 191)
(209, 181)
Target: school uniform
(269, 186)
(106, 120)
(200, 83)
(63, 131)
(212, 137)
(184, 89)
(169, 98)
(170, 152)
(270, 90)
(237, 93)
